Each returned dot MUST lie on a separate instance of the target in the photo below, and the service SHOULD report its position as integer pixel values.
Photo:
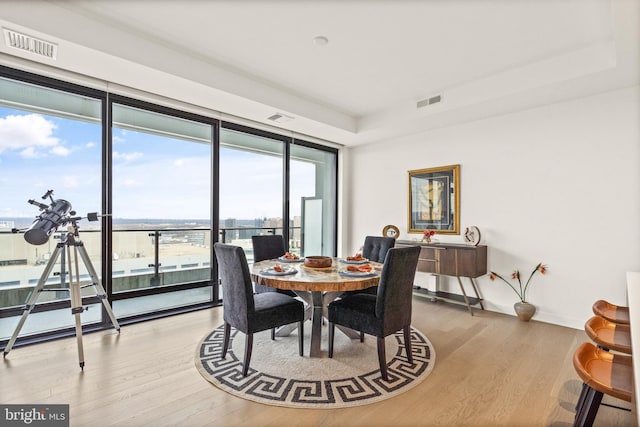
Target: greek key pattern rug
(279, 376)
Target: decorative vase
(524, 310)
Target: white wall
(558, 184)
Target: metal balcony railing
(141, 258)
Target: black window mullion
(285, 193)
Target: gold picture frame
(434, 200)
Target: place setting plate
(290, 260)
(347, 273)
(360, 261)
(286, 271)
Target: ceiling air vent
(280, 118)
(429, 101)
(30, 44)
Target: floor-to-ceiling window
(271, 184)
(161, 184)
(312, 198)
(50, 139)
(251, 186)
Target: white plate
(357, 274)
(346, 261)
(271, 272)
(290, 260)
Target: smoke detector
(30, 44)
(280, 118)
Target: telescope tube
(48, 222)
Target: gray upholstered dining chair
(268, 246)
(384, 313)
(375, 249)
(249, 312)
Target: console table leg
(475, 289)
(437, 279)
(464, 294)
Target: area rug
(279, 376)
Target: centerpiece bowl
(317, 261)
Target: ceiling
(253, 59)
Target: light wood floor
(490, 370)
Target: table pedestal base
(317, 307)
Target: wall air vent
(429, 101)
(280, 118)
(30, 44)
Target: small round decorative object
(472, 235)
(317, 261)
(391, 231)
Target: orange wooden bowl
(317, 261)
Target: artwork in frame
(434, 200)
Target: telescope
(56, 214)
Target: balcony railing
(141, 258)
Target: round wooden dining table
(317, 287)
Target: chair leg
(332, 330)
(301, 337)
(247, 354)
(407, 343)
(589, 409)
(273, 334)
(583, 393)
(361, 336)
(225, 343)
(382, 359)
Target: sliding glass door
(161, 215)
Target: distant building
(231, 224)
(258, 222)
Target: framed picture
(434, 200)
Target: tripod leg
(34, 296)
(76, 304)
(100, 292)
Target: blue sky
(39, 153)
(154, 176)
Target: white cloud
(126, 157)
(29, 153)
(90, 144)
(59, 150)
(26, 133)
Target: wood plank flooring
(490, 370)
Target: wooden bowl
(317, 261)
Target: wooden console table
(450, 259)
